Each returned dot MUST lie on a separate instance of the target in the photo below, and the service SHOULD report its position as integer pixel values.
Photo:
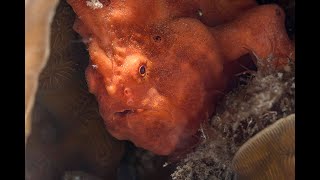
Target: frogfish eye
(142, 70)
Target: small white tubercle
(200, 13)
(94, 4)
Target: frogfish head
(157, 102)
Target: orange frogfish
(157, 67)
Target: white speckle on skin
(94, 4)
(200, 13)
(94, 66)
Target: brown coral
(270, 154)
(37, 50)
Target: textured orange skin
(184, 67)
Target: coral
(207, 162)
(67, 129)
(61, 68)
(46, 154)
(247, 110)
(38, 21)
(137, 62)
(149, 165)
(54, 147)
(55, 73)
(270, 154)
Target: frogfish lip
(126, 112)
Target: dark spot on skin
(157, 38)
(105, 2)
(278, 12)
(126, 91)
(117, 72)
(119, 62)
